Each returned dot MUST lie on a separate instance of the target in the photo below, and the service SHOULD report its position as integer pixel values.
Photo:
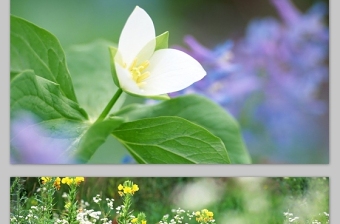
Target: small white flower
(144, 70)
(97, 199)
(95, 215)
(293, 219)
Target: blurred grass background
(255, 200)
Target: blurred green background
(254, 200)
(82, 21)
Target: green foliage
(89, 65)
(148, 140)
(94, 137)
(176, 131)
(34, 48)
(113, 51)
(162, 41)
(200, 111)
(42, 97)
(18, 198)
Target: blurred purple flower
(271, 81)
(31, 144)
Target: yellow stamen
(133, 64)
(142, 77)
(144, 65)
(137, 71)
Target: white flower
(97, 199)
(95, 215)
(142, 68)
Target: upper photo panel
(169, 82)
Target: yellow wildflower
(127, 190)
(134, 220)
(45, 179)
(67, 180)
(135, 188)
(204, 216)
(143, 222)
(57, 183)
(120, 187)
(78, 180)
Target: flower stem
(108, 107)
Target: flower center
(137, 71)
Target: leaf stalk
(108, 107)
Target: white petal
(125, 80)
(170, 71)
(138, 32)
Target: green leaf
(89, 65)
(43, 98)
(41, 89)
(58, 119)
(201, 111)
(59, 122)
(113, 52)
(94, 137)
(162, 41)
(171, 140)
(34, 48)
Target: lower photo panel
(169, 200)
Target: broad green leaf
(89, 65)
(43, 98)
(201, 111)
(34, 48)
(59, 123)
(171, 140)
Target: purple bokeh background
(274, 80)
